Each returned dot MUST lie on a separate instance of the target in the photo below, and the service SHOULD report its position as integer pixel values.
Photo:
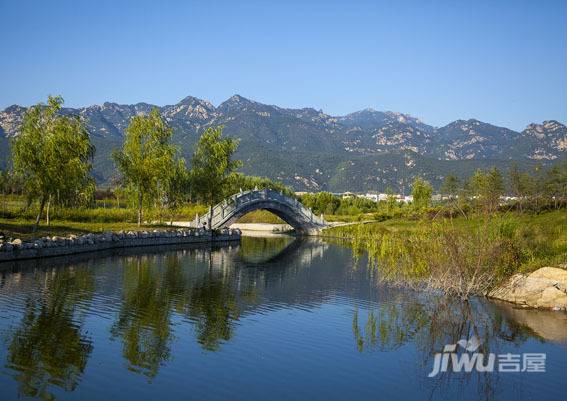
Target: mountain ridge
(364, 150)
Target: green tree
(212, 166)
(555, 185)
(450, 186)
(177, 187)
(521, 184)
(4, 186)
(487, 188)
(146, 159)
(421, 191)
(239, 181)
(52, 156)
(391, 203)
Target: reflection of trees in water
(213, 308)
(212, 294)
(431, 322)
(389, 327)
(150, 294)
(154, 289)
(48, 348)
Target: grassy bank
(460, 256)
(17, 219)
(22, 228)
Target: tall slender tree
(52, 155)
(487, 188)
(146, 159)
(521, 184)
(211, 166)
(421, 191)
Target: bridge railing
(224, 209)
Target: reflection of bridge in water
(288, 209)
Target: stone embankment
(545, 288)
(73, 244)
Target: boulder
(544, 288)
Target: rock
(8, 247)
(544, 288)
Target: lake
(270, 318)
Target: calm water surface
(277, 319)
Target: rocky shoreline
(59, 246)
(545, 288)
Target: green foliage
(421, 192)
(450, 185)
(238, 181)
(212, 166)
(459, 256)
(52, 154)
(487, 187)
(177, 187)
(146, 159)
(329, 204)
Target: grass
(22, 228)
(261, 216)
(17, 222)
(541, 239)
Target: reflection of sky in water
(273, 318)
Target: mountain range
(311, 150)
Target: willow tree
(421, 192)
(212, 165)
(52, 155)
(146, 159)
(487, 188)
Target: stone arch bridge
(288, 209)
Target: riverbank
(18, 249)
(470, 256)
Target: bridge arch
(288, 209)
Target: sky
(503, 62)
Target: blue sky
(503, 62)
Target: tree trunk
(210, 217)
(140, 199)
(47, 210)
(38, 219)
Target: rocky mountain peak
(193, 102)
(276, 140)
